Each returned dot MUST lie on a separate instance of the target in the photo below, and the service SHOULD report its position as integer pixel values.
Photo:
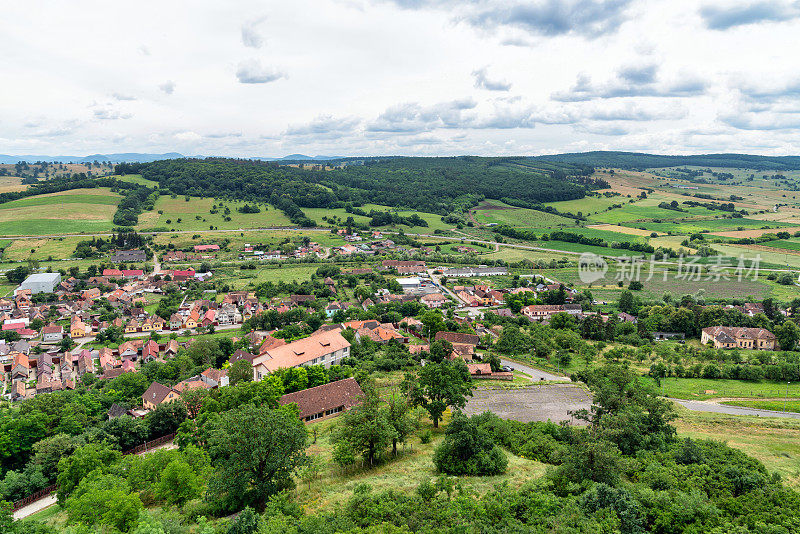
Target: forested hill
(636, 160)
(435, 185)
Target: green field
(506, 214)
(434, 221)
(703, 389)
(137, 179)
(698, 225)
(195, 215)
(67, 212)
(587, 205)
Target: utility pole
(787, 396)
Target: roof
(457, 337)
(206, 247)
(325, 397)
(156, 393)
(302, 350)
(53, 278)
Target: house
(128, 256)
(175, 321)
(132, 326)
(205, 248)
(729, 337)
(475, 271)
(20, 369)
(753, 308)
(457, 337)
(182, 276)
(90, 294)
(484, 371)
(409, 284)
(325, 401)
(215, 377)
(324, 348)
(158, 394)
(77, 329)
(661, 336)
(128, 351)
(150, 351)
(112, 273)
(52, 333)
(301, 299)
(542, 311)
(627, 318)
(332, 308)
(433, 300)
(172, 348)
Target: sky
(407, 77)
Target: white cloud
(167, 87)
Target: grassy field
(9, 184)
(137, 179)
(403, 474)
(195, 215)
(703, 389)
(587, 205)
(774, 442)
(505, 214)
(698, 225)
(434, 221)
(68, 212)
(43, 248)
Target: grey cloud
(482, 81)
(725, 16)
(603, 129)
(122, 96)
(250, 35)
(324, 125)
(553, 17)
(773, 92)
(761, 121)
(631, 82)
(223, 135)
(251, 71)
(167, 87)
(411, 117)
(108, 113)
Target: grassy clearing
(698, 225)
(434, 221)
(517, 216)
(195, 215)
(67, 212)
(9, 184)
(774, 442)
(137, 179)
(587, 205)
(704, 389)
(57, 247)
(403, 474)
(58, 199)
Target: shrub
(468, 449)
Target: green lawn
(137, 179)
(587, 205)
(775, 405)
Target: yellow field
(620, 229)
(9, 184)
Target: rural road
(714, 407)
(535, 374)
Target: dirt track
(534, 403)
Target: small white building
(40, 283)
(409, 284)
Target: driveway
(714, 407)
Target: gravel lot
(534, 403)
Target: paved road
(536, 374)
(541, 402)
(714, 407)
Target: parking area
(533, 403)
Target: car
(506, 368)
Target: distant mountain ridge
(143, 157)
(640, 160)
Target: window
(334, 410)
(315, 416)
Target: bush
(468, 449)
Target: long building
(40, 283)
(324, 348)
(730, 337)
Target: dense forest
(636, 160)
(437, 185)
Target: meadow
(67, 212)
(195, 214)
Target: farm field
(787, 259)
(43, 248)
(586, 205)
(616, 228)
(496, 212)
(195, 215)
(699, 225)
(434, 221)
(10, 184)
(75, 211)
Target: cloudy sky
(417, 77)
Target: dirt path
(543, 402)
(50, 500)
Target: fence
(33, 497)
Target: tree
(166, 418)
(365, 429)
(178, 484)
(240, 371)
(468, 449)
(193, 398)
(494, 362)
(438, 386)
(104, 500)
(72, 469)
(788, 334)
(255, 451)
(397, 413)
